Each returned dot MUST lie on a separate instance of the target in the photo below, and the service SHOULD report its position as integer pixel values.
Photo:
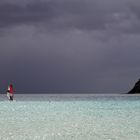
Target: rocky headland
(136, 88)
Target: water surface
(70, 117)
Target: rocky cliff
(136, 88)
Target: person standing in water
(10, 94)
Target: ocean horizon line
(74, 93)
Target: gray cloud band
(82, 15)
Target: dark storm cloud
(135, 8)
(122, 16)
(62, 14)
(95, 47)
(12, 14)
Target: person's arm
(8, 89)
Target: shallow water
(70, 117)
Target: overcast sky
(69, 45)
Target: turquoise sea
(70, 117)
